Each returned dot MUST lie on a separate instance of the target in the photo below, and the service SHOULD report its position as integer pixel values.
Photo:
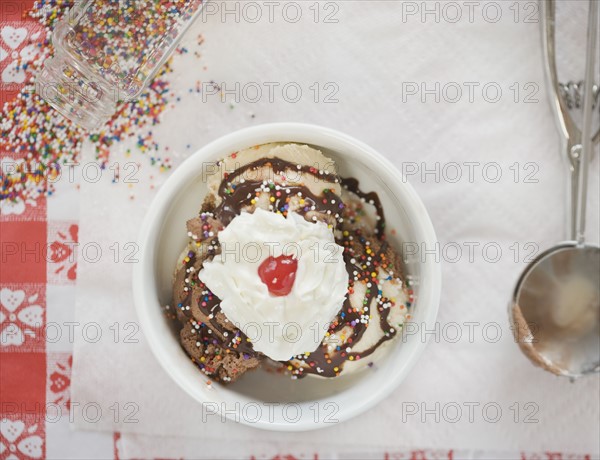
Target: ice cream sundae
(287, 264)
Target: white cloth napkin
(373, 54)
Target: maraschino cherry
(278, 273)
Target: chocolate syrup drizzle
(326, 364)
(210, 305)
(237, 195)
(355, 244)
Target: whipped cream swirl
(278, 326)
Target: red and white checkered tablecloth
(37, 292)
(37, 302)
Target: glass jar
(106, 51)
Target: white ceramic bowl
(307, 403)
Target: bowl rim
(143, 271)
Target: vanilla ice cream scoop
(280, 178)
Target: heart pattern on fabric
(11, 429)
(20, 317)
(11, 335)
(28, 53)
(11, 300)
(13, 73)
(13, 37)
(12, 207)
(31, 446)
(19, 440)
(19, 49)
(32, 316)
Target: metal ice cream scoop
(555, 309)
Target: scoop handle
(586, 131)
(573, 139)
(570, 133)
